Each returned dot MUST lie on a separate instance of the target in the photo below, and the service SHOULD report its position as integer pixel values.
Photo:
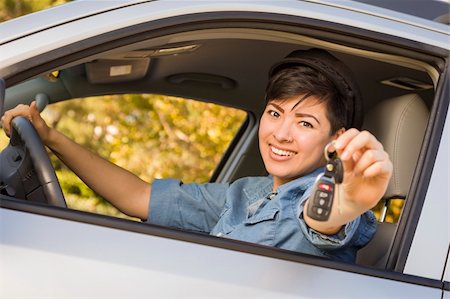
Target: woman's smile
(281, 153)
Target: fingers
(373, 163)
(29, 112)
(379, 169)
(35, 115)
(362, 154)
(10, 114)
(353, 141)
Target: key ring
(326, 151)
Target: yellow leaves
(10, 9)
(394, 211)
(3, 140)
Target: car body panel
(434, 218)
(132, 264)
(446, 276)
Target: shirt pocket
(261, 228)
(265, 215)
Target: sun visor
(109, 71)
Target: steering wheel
(26, 171)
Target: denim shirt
(248, 210)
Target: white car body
(51, 253)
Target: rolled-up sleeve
(356, 233)
(190, 206)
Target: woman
(310, 102)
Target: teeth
(281, 152)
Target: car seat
(399, 123)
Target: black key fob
(321, 200)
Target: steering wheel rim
(24, 135)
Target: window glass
(153, 136)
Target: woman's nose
(283, 132)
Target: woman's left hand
(367, 170)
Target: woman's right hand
(30, 112)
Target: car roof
(78, 9)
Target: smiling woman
(301, 117)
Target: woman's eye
(306, 124)
(273, 113)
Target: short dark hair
(301, 80)
(317, 72)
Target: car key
(321, 200)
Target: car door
(49, 251)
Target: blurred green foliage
(151, 135)
(10, 9)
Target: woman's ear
(338, 133)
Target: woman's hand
(367, 169)
(30, 112)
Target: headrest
(399, 124)
(334, 70)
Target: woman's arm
(121, 188)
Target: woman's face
(292, 137)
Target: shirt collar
(264, 187)
(303, 182)
(259, 190)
